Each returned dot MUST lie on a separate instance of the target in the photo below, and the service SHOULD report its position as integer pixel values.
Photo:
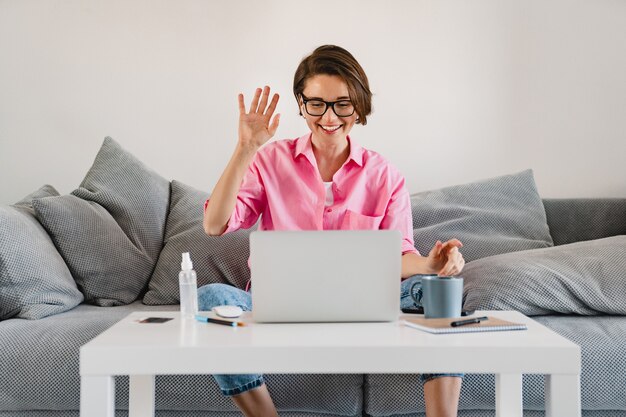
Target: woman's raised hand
(254, 126)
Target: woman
(320, 181)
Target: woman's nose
(329, 116)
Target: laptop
(325, 276)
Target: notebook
(439, 326)
(325, 276)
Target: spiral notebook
(440, 326)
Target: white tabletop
(190, 347)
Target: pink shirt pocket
(356, 221)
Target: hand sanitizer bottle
(188, 283)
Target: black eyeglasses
(316, 107)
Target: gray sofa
(513, 240)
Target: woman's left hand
(446, 259)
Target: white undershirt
(329, 193)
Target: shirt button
(329, 210)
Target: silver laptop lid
(325, 276)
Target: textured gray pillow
(215, 258)
(584, 278)
(498, 215)
(107, 266)
(34, 280)
(123, 229)
(136, 196)
(26, 203)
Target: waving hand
(254, 126)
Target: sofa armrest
(577, 219)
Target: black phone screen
(155, 320)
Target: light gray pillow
(586, 278)
(34, 280)
(123, 229)
(26, 203)
(493, 216)
(222, 259)
(136, 196)
(107, 266)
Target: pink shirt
(284, 185)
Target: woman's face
(328, 126)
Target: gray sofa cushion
(603, 350)
(577, 219)
(173, 413)
(498, 215)
(34, 280)
(136, 196)
(46, 375)
(220, 259)
(580, 278)
(124, 223)
(26, 203)
(107, 266)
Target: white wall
(464, 90)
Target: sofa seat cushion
(603, 352)
(581, 278)
(603, 357)
(200, 413)
(40, 357)
(169, 413)
(40, 361)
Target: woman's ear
(301, 107)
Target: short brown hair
(334, 60)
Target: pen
(468, 321)
(205, 319)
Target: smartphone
(420, 310)
(155, 320)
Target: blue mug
(441, 297)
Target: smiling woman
(332, 60)
(323, 122)
(322, 180)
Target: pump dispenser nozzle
(186, 264)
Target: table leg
(97, 396)
(509, 395)
(141, 396)
(562, 395)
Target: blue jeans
(213, 295)
(406, 301)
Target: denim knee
(237, 384)
(213, 295)
(406, 301)
(429, 377)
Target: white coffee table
(189, 347)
